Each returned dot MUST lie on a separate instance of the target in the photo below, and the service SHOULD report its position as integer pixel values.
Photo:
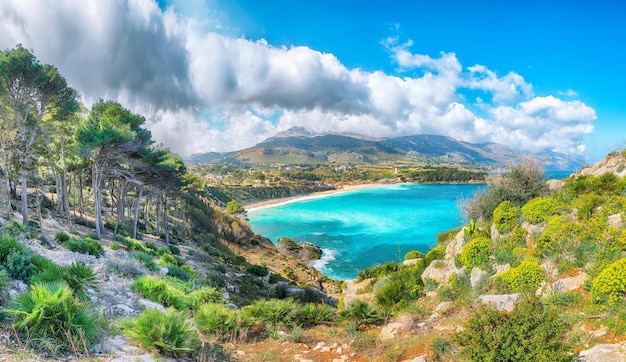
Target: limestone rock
(615, 220)
(353, 292)
(571, 283)
(411, 261)
(456, 245)
(416, 359)
(615, 163)
(390, 331)
(476, 275)
(500, 301)
(302, 250)
(441, 270)
(604, 353)
(500, 268)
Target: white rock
(571, 283)
(456, 245)
(441, 271)
(615, 220)
(444, 307)
(416, 359)
(476, 276)
(500, 301)
(163, 271)
(604, 353)
(390, 331)
(150, 304)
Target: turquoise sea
(362, 228)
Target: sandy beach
(289, 200)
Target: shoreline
(257, 206)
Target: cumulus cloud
(204, 91)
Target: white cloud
(204, 91)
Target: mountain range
(299, 146)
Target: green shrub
(586, 204)
(234, 207)
(539, 209)
(526, 277)
(610, 285)
(203, 295)
(377, 271)
(134, 245)
(61, 236)
(159, 291)
(476, 253)
(559, 232)
(506, 216)
(19, 265)
(145, 259)
(128, 268)
(85, 246)
(49, 312)
(401, 287)
(272, 312)
(4, 285)
(8, 244)
(414, 254)
(218, 321)
(151, 246)
(114, 246)
(531, 332)
(169, 333)
(80, 278)
(458, 288)
(436, 253)
(15, 229)
(315, 314)
(174, 250)
(447, 235)
(257, 270)
(178, 273)
(362, 313)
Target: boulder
(403, 323)
(615, 220)
(441, 271)
(476, 276)
(456, 245)
(500, 301)
(571, 283)
(604, 353)
(302, 250)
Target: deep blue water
(359, 229)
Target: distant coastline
(257, 206)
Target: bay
(362, 228)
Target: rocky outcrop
(302, 250)
(500, 301)
(476, 275)
(615, 163)
(615, 221)
(402, 324)
(604, 353)
(441, 270)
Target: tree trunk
(165, 226)
(81, 199)
(67, 202)
(137, 204)
(24, 183)
(156, 213)
(38, 201)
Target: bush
(49, 312)
(169, 333)
(559, 232)
(114, 246)
(145, 259)
(414, 254)
(19, 265)
(526, 277)
(61, 236)
(257, 270)
(178, 273)
(505, 216)
(202, 296)
(315, 314)
(610, 285)
(128, 268)
(80, 278)
(4, 285)
(436, 253)
(523, 183)
(531, 332)
(362, 313)
(8, 244)
(234, 207)
(539, 209)
(159, 291)
(272, 312)
(377, 271)
(401, 287)
(219, 321)
(85, 246)
(476, 253)
(134, 245)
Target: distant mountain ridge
(299, 146)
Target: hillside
(298, 146)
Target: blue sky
(217, 75)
